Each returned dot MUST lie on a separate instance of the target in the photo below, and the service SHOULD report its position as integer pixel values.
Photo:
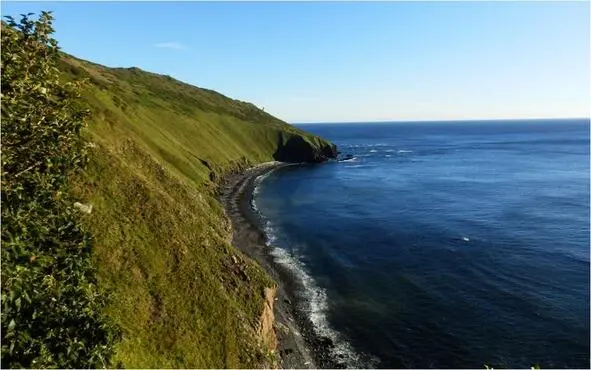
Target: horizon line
(443, 120)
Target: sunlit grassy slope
(161, 241)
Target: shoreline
(298, 345)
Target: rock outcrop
(298, 149)
(265, 329)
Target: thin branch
(28, 168)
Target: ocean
(441, 244)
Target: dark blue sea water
(442, 244)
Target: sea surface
(442, 244)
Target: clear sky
(349, 61)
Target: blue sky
(349, 61)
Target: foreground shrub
(51, 306)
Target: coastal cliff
(181, 294)
(115, 250)
(300, 149)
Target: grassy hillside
(181, 124)
(182, 295)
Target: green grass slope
(182, 295)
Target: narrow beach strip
(298, 346)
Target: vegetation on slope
(51, 306)
(181, 295)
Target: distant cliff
(181, 294)
(299, 148)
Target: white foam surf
(256, 189)
(376, 144)
(255, 192)
(314, 302)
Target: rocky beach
(298, 345)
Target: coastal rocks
(285, 352)
(238, 268)
(212, 175)
(326, 342)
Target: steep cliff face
(299, 149)
(181, 294)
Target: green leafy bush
(51, 306)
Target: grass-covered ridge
(182, 124)
(156, 238)
(161, 242)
